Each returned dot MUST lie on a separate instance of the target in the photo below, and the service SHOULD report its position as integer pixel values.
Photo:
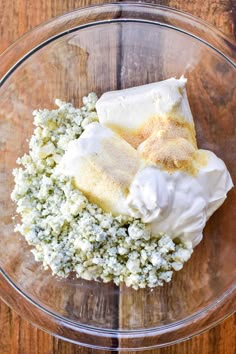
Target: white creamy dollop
(151, 194)
(216, 180)
(178, 203)
(86, 145)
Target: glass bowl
(98, 49)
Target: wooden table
(17, 335)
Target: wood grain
(17, 336)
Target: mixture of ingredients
(118, 189)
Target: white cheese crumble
(69, 234)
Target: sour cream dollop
(178, 203)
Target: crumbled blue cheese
(69, 234)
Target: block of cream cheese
(133, 112)
(103, 166)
